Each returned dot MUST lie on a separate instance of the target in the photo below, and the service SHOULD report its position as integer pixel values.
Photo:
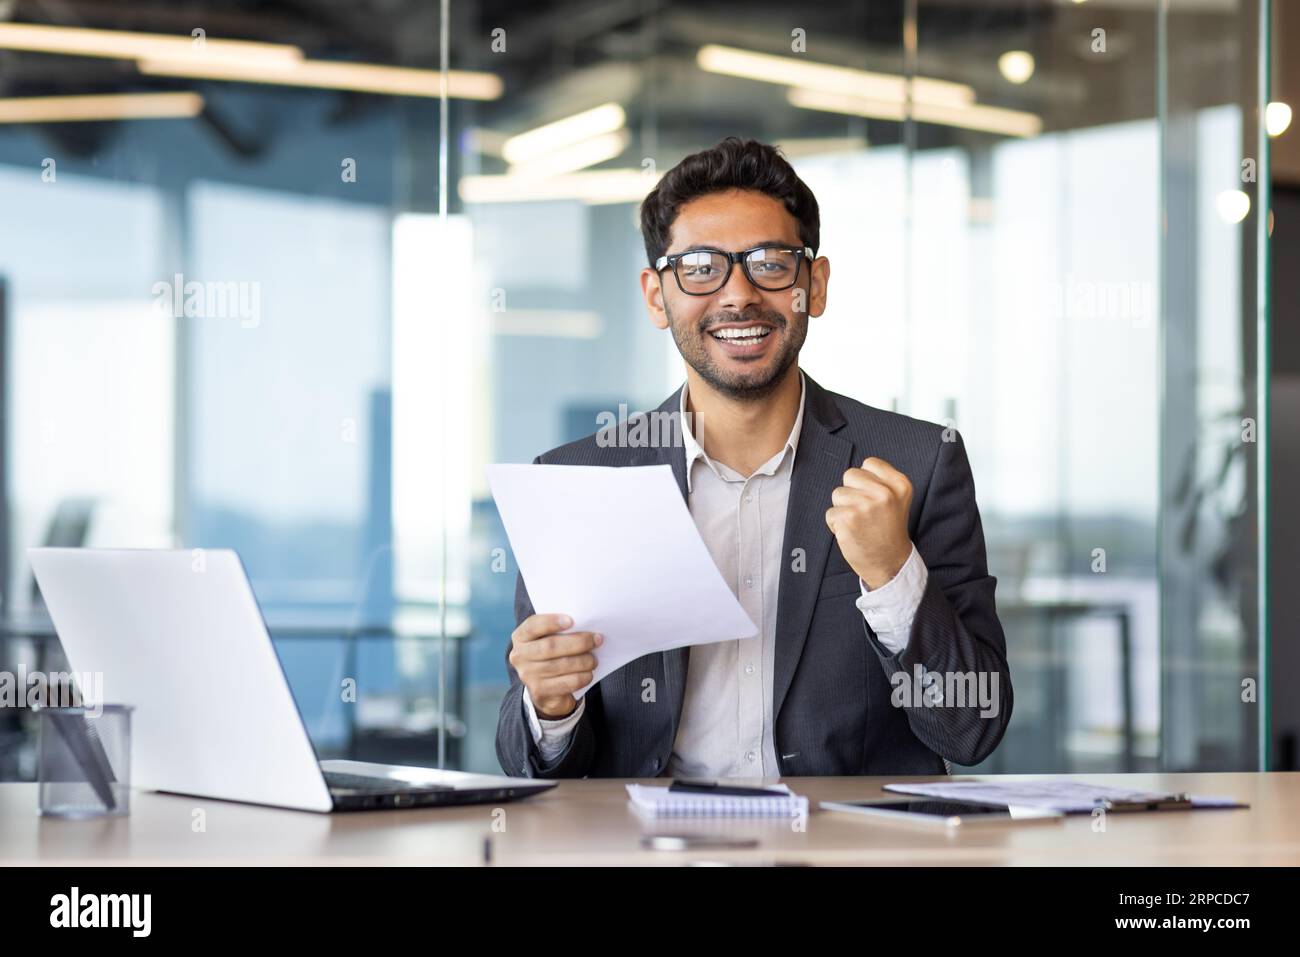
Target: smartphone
(934, 811)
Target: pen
(83, 743)
(734, 790)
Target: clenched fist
(868, 517)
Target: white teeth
(750, 333)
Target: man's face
(775, 323)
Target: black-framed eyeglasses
(702, 272)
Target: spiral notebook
(660, 802)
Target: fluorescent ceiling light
(333, 75)
(589, 152)
(99, 106)
(821, 145)
(972, 116)
(843, 80)
(525, 147)
(123, 45)
(838, 89)
(591, 186)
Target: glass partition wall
(299, 317)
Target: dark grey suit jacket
(832, 692)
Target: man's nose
(739, 291)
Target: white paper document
(617, 551)
(1066, 796)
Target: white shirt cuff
(889, 609)
(552, 736)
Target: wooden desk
(589, 822)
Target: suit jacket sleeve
(516, 749)
(956, 629)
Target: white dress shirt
(726, 721)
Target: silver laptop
(180, 637)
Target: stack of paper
(1068, 797)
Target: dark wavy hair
(732, 164)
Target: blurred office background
(270, 296)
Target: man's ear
(653, 292)
(820, 269)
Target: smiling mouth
(748, 336)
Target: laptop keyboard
(364, 782)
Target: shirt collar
(694, 450)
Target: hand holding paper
(553, 663)
(617, 551)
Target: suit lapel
(820, 461)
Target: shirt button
(749, 581)
(751, 757)
(749, 669)
(749, 496)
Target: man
(850, 535)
